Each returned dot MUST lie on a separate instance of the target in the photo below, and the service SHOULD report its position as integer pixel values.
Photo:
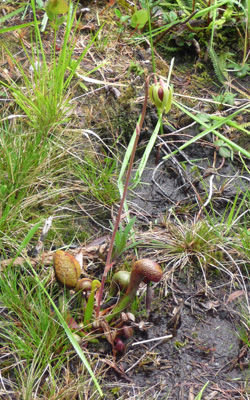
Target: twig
(157, 184)
(148, 351)
(90, 217)
(172, 26)
(208, 199)
(152, 340)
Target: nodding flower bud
(161, 96)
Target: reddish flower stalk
(108, 261)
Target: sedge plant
(45, 96)
(23, 173)
(33, 172)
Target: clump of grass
(193, 243)
(32, 171)
(98, 173)
(29, 331)
(34, 154)
(44, 93)
(36, 353)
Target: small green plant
(199, 395)
(122, 19)
(139, 18)
(225, 150)
(55, 7)
(136, 68)
(122, 237)
(226, 97)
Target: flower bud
(83, 285)
(119, 345)
(96, 324)
(127, 331)
(130, 316)
(124, 317)
(161, 96)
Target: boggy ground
(204, 349)
(201, 316)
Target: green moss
(127, 95)
(65, 232)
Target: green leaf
(129, 226)
(10, 15)
(204, 118)
(50, 14)
(83, 86)
(224, 152)
(122, 244)
(61, 20)
(219, 142)
(90, 305)
(172, 16)
(58, 6)
(124, 18)
(118, 13)
(26, 240)
(139, 19)
(14, 28)
(243, 71)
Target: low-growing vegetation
(124, 199)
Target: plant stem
(108, 261)
(151, 39)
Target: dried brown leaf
(233, 296)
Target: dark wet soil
(204, 348)
(184, 180)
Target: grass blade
(146, 153)
(211, 129)
(26, 240)
(59, 315)
(10, 15)
(68, 332)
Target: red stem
(108, 264)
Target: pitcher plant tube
(146, 270)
